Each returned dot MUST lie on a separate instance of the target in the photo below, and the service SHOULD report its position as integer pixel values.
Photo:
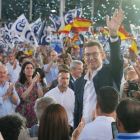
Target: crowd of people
(66, 96)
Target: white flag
(28, 36)
(19, 25)
(8, 38)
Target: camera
(63, 56)
(133, 86)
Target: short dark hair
(64, 70)
(128, 112)
(19, 54)
(11, 125)
(21, 58)
(92, 43)
(107, 98)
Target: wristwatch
(12, 93)
(37, 86)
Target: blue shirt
(128, 136)
(106, 62)
(6, 106)
(52, 74)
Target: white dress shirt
(14, 74)
(66, 99)
(89, 97)
(99, 129)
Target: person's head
(53, 53)
(42, 74)
(11, 57)
(19, 54)
(130, 73)
(93, 55)
(127, 70)
(76, 68)
(107, 100)
(63, 66)
(60, 61)
(23, 59)
(54, 123)
(26, 71)
(4, 61)
(41, 104)
(3, 73)
(128, 116)
(11, 126)
(46, 59)
(63, 78)
(133, 57)
(126, 63)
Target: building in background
(95, 10)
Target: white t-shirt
(99, 129)
(66, 99)
(14, 74)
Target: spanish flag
(81, 24)
(76, 36)
(30, 53)
(66, 29)
(133, 47)
(75, 47)
(124, 34)
(104, 31)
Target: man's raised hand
(114, 23)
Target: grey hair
(10, 53)
(127, 69)
(74, 62)
(44, 101)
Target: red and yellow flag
(133, 47)
(124, 34)
(81, 24)
(66, 29)
(76, 36)
(104, 31)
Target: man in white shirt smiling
(63, 94)
(99, 75)
(13, 67)
(100, 128)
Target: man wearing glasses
(99, 75)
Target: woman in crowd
(28, 89)
(54, 124)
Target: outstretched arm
(116, 58)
